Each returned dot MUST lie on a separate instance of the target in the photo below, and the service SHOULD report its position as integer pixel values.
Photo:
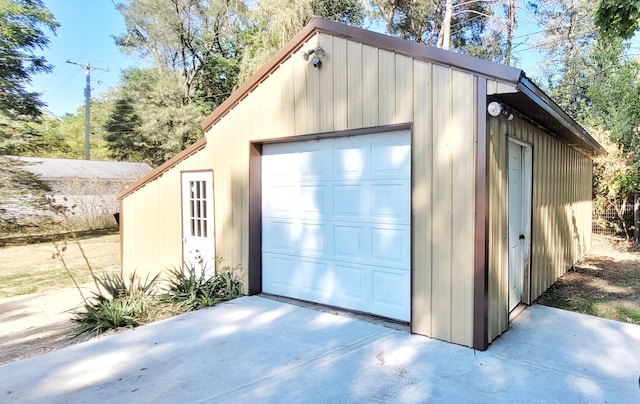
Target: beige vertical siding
(561, 213)
(152, 220)
(357, 86)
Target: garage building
(377, 175)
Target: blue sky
(84, 35)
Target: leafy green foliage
(567, 45)
(124, 142)
(614, 97)
(345, 11)
(219, 76)
(193, 289)
(148, 118)
(55, 137)
(119, 302)
(22, 33)
(615, 178)
(618, 18)
(423, 21)
(181, 36)
(275, 22)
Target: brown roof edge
(400, 46)
(184, 154)
(535, 93)
(259, 76)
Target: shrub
(118, 302)
(192, 288)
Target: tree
(22, 26)
(614, 97)
(345, 11)
(459, 25)
(510, 26)
(615, 179)
(618, 18)
(124, 141)
(568, 42)
(148, 119)
(274, 22)
(181, 35)
(218, 76)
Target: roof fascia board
(156, 173)
(400, 46)
(420, 51)
(528, 88)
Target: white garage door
(337, 222)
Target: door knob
(521, 237)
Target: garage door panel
(389, 294)
(347, 201)
(391, 159)
(306, 279)
(351, 285)
(303, 161)
(302, 200)
(297, 238)
(341, 233)
(391, 247)
(349, 242)
(279, 276)
(389, 203)
(350, 161)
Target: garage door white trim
(336, 222)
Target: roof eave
(534, 93)
(160, 170)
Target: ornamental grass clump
(129, 301)
(192, 287)
(118, 302)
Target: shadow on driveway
(255, 349)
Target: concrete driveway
(255, 349)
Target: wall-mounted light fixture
(495, 108)
(317, 53)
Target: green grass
(628, 315)
(585, 306)
(605, 308)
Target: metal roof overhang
(533, 104)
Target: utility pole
(87, 110)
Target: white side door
(519, 194)
(198, 221)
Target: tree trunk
(444, 41)
(511, 26)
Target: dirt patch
(26, 269)
(37, 323)
(37, 295)
(605, 283)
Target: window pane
(197, 206)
